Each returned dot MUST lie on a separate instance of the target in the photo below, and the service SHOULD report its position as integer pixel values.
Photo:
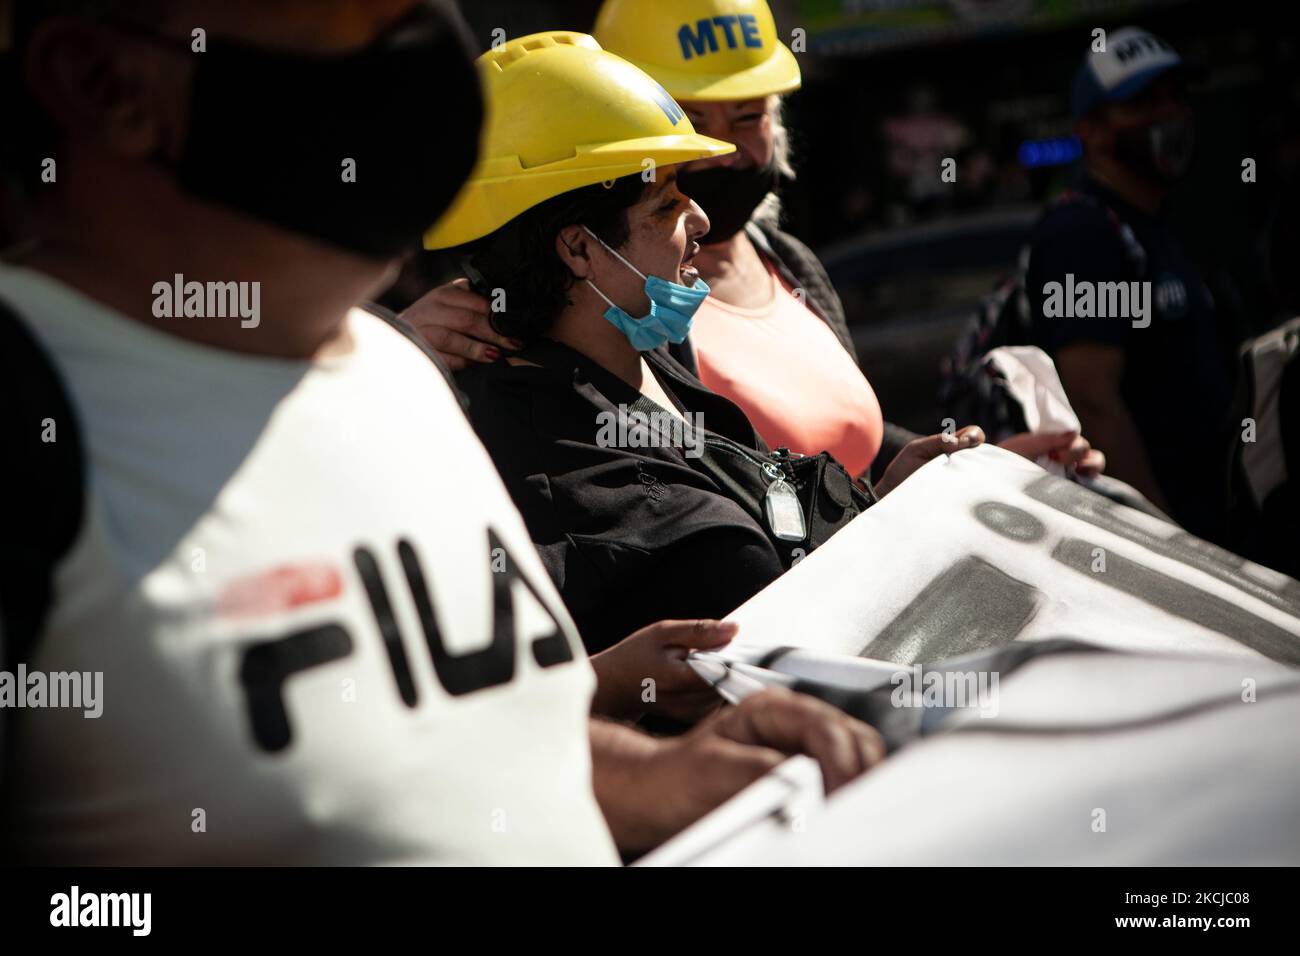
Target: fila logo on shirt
(267, 665)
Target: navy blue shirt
(1176, 380)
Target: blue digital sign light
(1049, 152)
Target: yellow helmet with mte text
(563, 113)
(701, 49)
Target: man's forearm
(613, 698)
(620, 760)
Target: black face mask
(1161, 152)
(269, 133)
(728, 196)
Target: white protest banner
(982, 548)
(1178, 746)
(1091, 759)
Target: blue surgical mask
(672, 306)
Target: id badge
(784, 513)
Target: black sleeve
(44, 472)
(630, 540)
(708, 576)
(43, 500)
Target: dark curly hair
(520, 257)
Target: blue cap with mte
(1132, 59)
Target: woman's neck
(583, 328)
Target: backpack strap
(44, 508)
(41, 512)
(1137, 255)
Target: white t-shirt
(312, 651)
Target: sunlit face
(665, 228)
(745, 123)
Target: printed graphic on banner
(1057, 678)
(983, 548)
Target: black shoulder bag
(799, 500)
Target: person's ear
(574, 247)
(90, 81)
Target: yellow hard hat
(701, 49)
(562, 113)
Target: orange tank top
(789, 373)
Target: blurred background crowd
(891, 87)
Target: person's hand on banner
(453, 319)
(1065, 448)
(647, 672)
(650, 789)
(786, 723)
(922, 450)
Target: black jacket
(630, 536)
(800, 267)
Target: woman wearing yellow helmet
(574, 228)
